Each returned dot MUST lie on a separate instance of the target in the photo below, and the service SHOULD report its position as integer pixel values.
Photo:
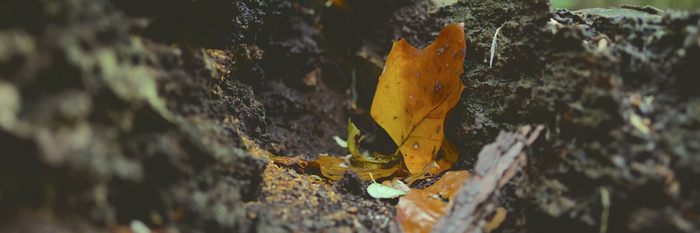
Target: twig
(493, 44)
(605, 199)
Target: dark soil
(120, 115)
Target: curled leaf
(416, 91)
(331, 167)
(360, 159)
(353, 132)
(334, 168)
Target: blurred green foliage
(661, 4)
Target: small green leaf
(352, 133)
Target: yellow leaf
(416, 91)
(451, 155)
(334, 168)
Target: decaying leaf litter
(413, 110)
(612, 87)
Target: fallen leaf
(287, 161)
(334, 168)
(450, 156)
(416, 91)
(379, 173)
(383, 191)
(331, 167)
(420, 209)
(378, 191)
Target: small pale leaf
(377, 190)
(342, 143)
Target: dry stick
(605, 199)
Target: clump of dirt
(609, 86)
(104, 127)
(312, 204)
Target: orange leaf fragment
(418, 212)
(420, 209)
(286, 161)
(449, 184)
(416, 91)
(334, 168)
(451, 155)
(497, 219)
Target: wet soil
(117, 116)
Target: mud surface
(612, 88)
(122, 115)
